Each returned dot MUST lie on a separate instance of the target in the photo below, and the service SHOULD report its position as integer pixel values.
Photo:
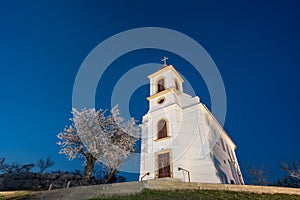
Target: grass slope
(200, 194)
(15, 195)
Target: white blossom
(110, 139)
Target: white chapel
(181, 139)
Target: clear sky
(255, 45)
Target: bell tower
(161, 122)
(165, 87)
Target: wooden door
(164, 169)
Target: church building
(181, 139)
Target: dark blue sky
(255, 46)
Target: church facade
(180, 137)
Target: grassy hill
(15, 195)
(150, 194)
(200, 194)
(160, 189)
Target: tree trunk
(89, 167)
(112, 172)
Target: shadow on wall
(220, 173)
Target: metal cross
(165, 60)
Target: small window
(160, 85)
(161, 100)
(162, 129)
(176, 85)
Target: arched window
(176, 85)
(160, 85)
(162, 129)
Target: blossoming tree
(99, 138)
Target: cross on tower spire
(165, 60)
